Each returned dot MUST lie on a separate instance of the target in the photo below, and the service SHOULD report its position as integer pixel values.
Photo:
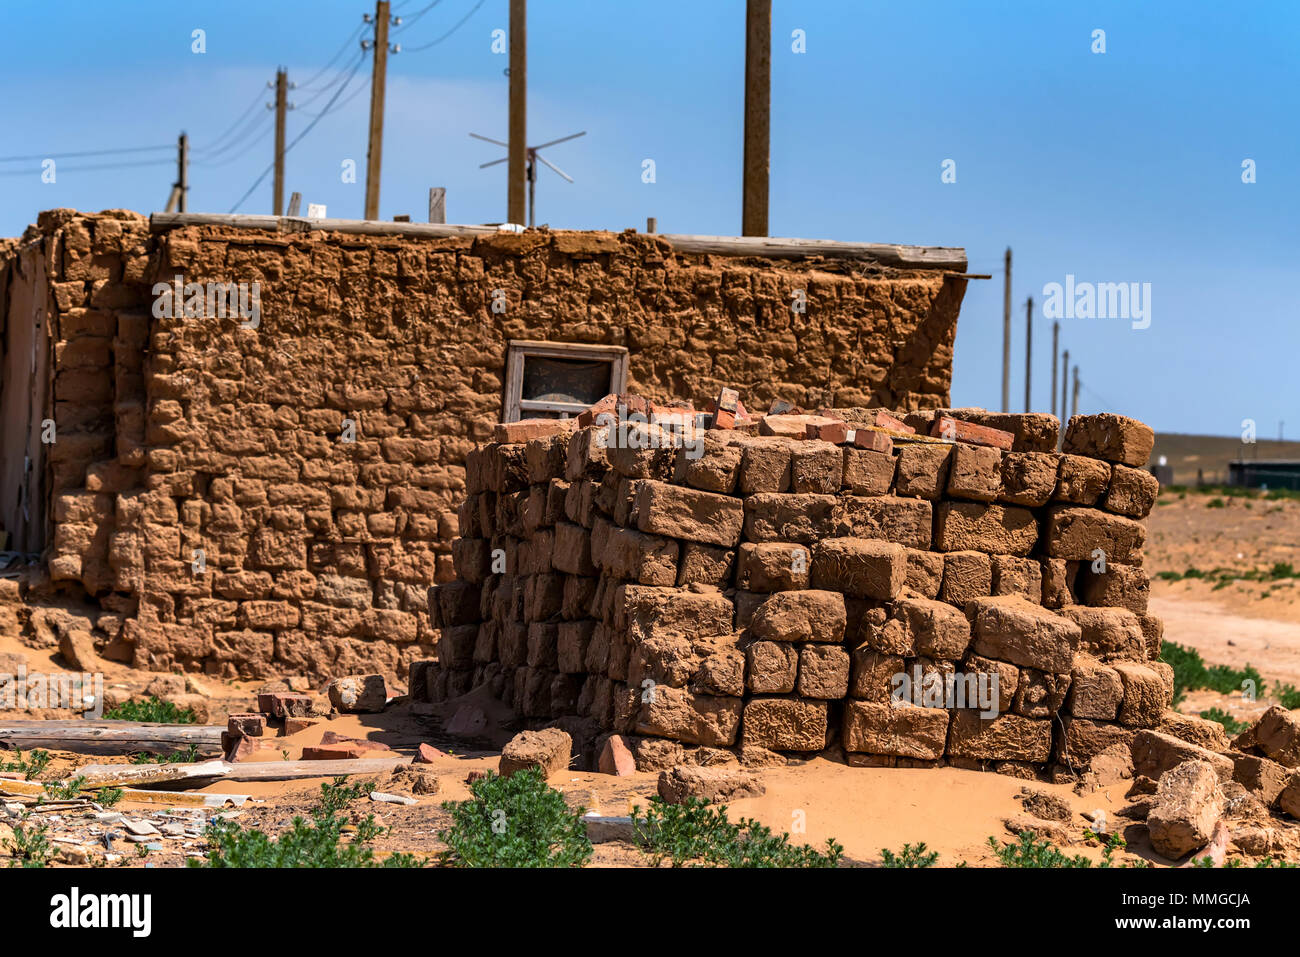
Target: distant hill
(1212, 453)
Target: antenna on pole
(533, 157)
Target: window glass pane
(565, 380)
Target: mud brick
(677, 512)
(903, 521)
(1018, 576)
(557, 493)
(472, 559)
(868, 418)
(872, 674)
(1276, 735)
(1029, 478)
(924, 572)
(922, 471)
(1155, 752)
(726, 406)
(867, 472)
(790, 426)
(458, 603)
(1153, 633)
(785, 724)
(623, 514)
(835, 431)
(1007, 675)
(417, 678)
(1081, 480)
(1032, 431)
(485, 646)
(1008, 737)
(803, 518)
(282, 704)
(771, 667)
(543, 597)
(512, 644)
(642, 451)
(644, 611)
(995, 529)
(1263, 778)
(937, 630)
(705, 565)
(966, 576)
(565, 692)
(246, 725)
(809, 615)
(711, 467)
(456, 647)
(576, 600)
(1199, 731)
(572, 550)
(585, 453)
(545, 456)
(607, 495)
(879, 632)
(817, 467)
(1082, 739)
(747, 603)
(1122, 586)
(507, 468)
(1059, 580)
(765, 466)
(1108, 633)
(1114, 438)
(1144, 695)
(1040, 695)
(773, 566)
(525, 430)
(644, 559)
(1075, 533)
(1132, 492)
(959, 430)
(975, 473)
(572, 641)
(823, 671)
(869, 440)
(536, 702)
(1095, 690)
(902, 731)
(1014, 630)
(860, 567)
(710, 720)
(534, 556)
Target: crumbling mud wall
(764, 593)
(273, 496)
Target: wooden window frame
(517, 407)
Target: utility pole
(1065, 385)
(1074, 407)
(374, 153)
(182, 183)
(1006, 335)
(516, 171)
(437, 204)
(1056, 342)
(1029, 351)
(651, 225)
(758, 116)
(281, 107)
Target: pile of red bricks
(762, 589)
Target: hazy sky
(1117, 167)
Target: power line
(355, 93)
(78, 169)
(341, 50)
(126, 149)
(305, 131)
(239, 139)
(217, 140)
(460, 23)
(208, 164)
(408, 22)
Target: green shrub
(109, 797)
(188, 756)
(315, 843)
(909, 856)
(1216, 503)
(64, 790)
(1190, 672)
(698, 834)
(1287, 695)
(155, 710)
(1029, 852)
(1230, 724)
(35, 762)
(516, 821)
(30, 845)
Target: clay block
(686, 513)
(1108, 632)
(867, 472)
(1132, 492)
(1014, 630)
(1095, 691)
(862, 568)
(771, 667)
(817, 467)
(1081, 480)
(1144, 695)
(922, 471)
(1008, 737)
(823, 671)
(705, 564)
(1029, 478)
(785, 724)
(903, 521)
(765, 466)
(804, 518)
(690, 718)
(1018, 576)
(975, 473)
(636, 556)
(714, 470)
(924, 572)
(902, 731)
(809, 615)
(1120, 586)
(1075, 533)
(1114, 438)
(773, 566)
(966, 576)
(995, 529)
(936, 629)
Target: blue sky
(1117, 167)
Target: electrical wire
(216, 142)
(126, 149)
(407, 22)
(78, 169)
(239, 139)
(305, 131)
(341, 50)
(240, 155)
(460, 23)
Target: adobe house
(242, 437)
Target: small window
(555, 379)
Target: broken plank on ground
(110, 737)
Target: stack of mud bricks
(704, 590)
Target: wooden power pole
(1074, 405)
(1006, 334)
(1065, 385)
(516, 163)
(758, 115)
(183, 172)
(374, 154)
(281, 107)
(1029, 352)
(1056, 342)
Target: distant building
(1265, 473)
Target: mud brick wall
(761, 596)
(178, 435)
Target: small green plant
(30, 846)
(1030, 852)
(1191, 672)
(909, 856)
(188, 756)
(64, 790)
(698, 834)
(154, 710)
(516, 821)
(1287, 696)
(109, 797)
(1216, 503)
(338, 794)
(142, 850)
(30, 767)
(1230, 724)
